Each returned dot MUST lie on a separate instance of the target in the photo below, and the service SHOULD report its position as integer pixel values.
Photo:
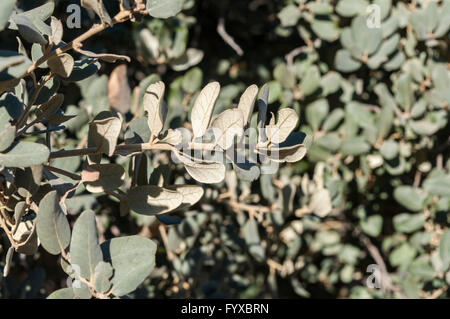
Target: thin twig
(77, 43)
(291, 55)
(162, 231)
(227, 38)
(8, 233)
(386, 282)
(60, 171)
(23, 117)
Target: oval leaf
(52, 226)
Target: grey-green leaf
(408, 223)
(203, 108)
(247, 102)
(52, 225)
(64, 293)
(25, 154)
(7, 136)
(6, 8)
(155, 107)
(102, 276)
(85, 250)
(133, 259)
(152, 200)
(62, 65)
(164, 8)
(444, 248)
(410, 197)
(100, 178)
(99, 8)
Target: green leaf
(316, 113)
(153, 200)
(62, 65)
(28, 30)
(8, 260)
(83, 69)
(389, 149)
(102, 276)
(138, 131)
(46, 110)
(310, 81)
(164, 8)
(99, 178)
(192, 80)
(203, 108)
(287, 120)
(133, 259)
(354, 146)
(12, 65)
(6, 8)
(438, 185)
(345, 63)
(99, 8)
(85, 251)
(368, 40)
(444, 249)
(402, 254)
(226, 126)
(64, 293)
(247, 102)
(410, 197)
(191, 194)
(25, 154)
(104, 131)
(252, 238)
(81, 290)
(208, 173)
(350, 8)
(52, 225)
(7, 136)
(155, 107)
(408, 223)
(421, 268)
(289, 16)
(372, 225)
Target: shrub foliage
(127, 170)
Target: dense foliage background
(374, 187)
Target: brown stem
(127, 148)
(8, 233)
(33, 99)
(76, 43)
(63, 172)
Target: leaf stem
(128, 148)
(122, 16)
(63, 172)
(33, 99)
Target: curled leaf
(99, 8)
(104, 131)
(286, 123)
(62, 65)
